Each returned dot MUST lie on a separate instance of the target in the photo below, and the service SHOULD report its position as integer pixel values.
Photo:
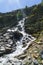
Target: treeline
(10, 19)
(34, 22)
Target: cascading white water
(9, 58)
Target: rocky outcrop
(17, 35)
(6, 44)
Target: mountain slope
(34, 22)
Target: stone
(2, 48)
(17, 35)
(41, 54)
(7, 37)
(24, 45)
(22, 57)
(19, 28)
(35, 62)
(35, 56)
(10, 41)
(7, 48)
(42, 61)
(6, 34)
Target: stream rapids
(15, 41)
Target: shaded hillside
(9, 19)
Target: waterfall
(21, 45)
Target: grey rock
(35, 62)
(17, 35)
(41, 54)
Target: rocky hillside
(33, 25)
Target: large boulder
(17, 35)
(19, 28)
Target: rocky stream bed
(18, 48)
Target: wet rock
(23, 42)
(17, 35)
(29, 58)
(19, 27)
(41, 54)
(24, 45)
(2, 49)
(35, 62)
(27, 61)
(14, 62)
(10, 41)
(13, 48)
(22, 57)
(7, 47)
(7, 37)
